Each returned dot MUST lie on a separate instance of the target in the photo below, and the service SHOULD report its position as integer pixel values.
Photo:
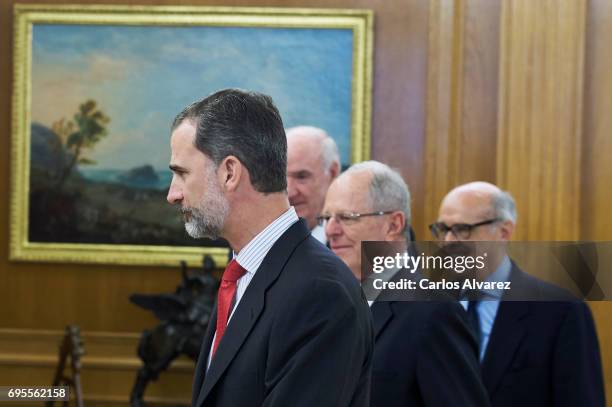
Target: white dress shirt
(385, 276)
(319, 233)
(252, 255)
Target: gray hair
(328, 147)
(504, 207)
(329, 153)
(388, 190)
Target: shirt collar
(319, 233)
(500, 275)
(252, 255)
(367, 285)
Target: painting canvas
(99, 96)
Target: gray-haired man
(424, 353)
(312, 164)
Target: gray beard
(207, 225)
(208, 220)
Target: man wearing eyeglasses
(532, 353)
(312, 164)
(424, 354)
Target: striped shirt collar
(251, 256)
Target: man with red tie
(291, 327)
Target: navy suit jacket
(300, 336)
(540, 353)
(424, 355)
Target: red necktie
(226, 293)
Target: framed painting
(96, 89)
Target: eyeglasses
(347, 218)
(461, 231)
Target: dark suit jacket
(542, 353)
(300, 336)
(424, 355)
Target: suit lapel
(251, 305)
(506, 335)
(381, 315)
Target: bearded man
(290, 327)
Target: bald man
(312, 164)
(424, 354)
(532, 353)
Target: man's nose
(332, 227)
(449, 236)
(291, 189)
(174, 194)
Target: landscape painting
(103, 96)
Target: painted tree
(80, 135)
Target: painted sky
(142, 77)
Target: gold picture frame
(42, 44)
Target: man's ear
(507, 229)
(229, 173)
(395, 226)
(334, 170)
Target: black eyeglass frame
(458, 228)
(343, 217)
